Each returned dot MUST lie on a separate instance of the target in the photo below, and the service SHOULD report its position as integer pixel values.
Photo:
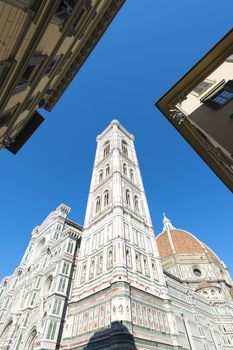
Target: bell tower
(118, 266)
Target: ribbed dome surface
(180, 242)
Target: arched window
(136, 205)
(154, 271)
(124, 169)
(100, 267)
(128, 258)
(138, 264)
(107, 170)
(30, 345)
(106, 198)
(146, 267)
(124, 148)
(100, 175)
(4, 336)
(131, 175)
(127, 195)
(92, 269)
(213, 293)
(109, 259)
(106, 149)
(47, 285)
(97, 205)
(83, 275)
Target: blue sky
(147, 48)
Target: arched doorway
(4, 337)
(30, 344)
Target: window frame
(210, 101)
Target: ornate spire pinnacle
(166, 223)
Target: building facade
(200, 105)
(112, 284)
(43, 44)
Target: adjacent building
(112, 284)
(43, 44)
(200, 107)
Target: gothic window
(127, 232)
(146, 267)
(154, 270)
(19, 342)
(128, 258)
(106, 198)
(109, 259)
(62, 285)
(56, 235)
(65, 268)
(124, 148)
(100, 175)
(26, 320)
(97, 205)
(56, 307)
(142, 241)
(47, 285)
(31, 341)
(131, 175)
(136, 205)
(100, 267)
(51, 330)
(33, 299)
(5, 335)
(70, 247)
(124, 169)
(127, 194)
(138, 264)
(106, 149)
(107, 170)
(92, 269)
(83, 275)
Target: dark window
(5, 118)
(65, 9)
(106, 149)
(222, 97)
(29, 73)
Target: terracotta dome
(176, 241)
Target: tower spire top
(166, 223)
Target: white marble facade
(75, 282)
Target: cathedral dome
(176, 241)
(184, 256)
(173, 241)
